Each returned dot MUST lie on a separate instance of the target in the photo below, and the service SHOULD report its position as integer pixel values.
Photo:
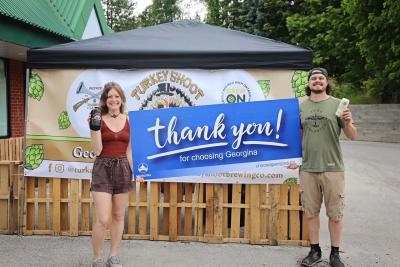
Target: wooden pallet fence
(10, 175)
(213, 213)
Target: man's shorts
(111, 175)
(316, 186)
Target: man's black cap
(318, 70)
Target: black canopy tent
(181, 44)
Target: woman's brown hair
(103, 98)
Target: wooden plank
(2, 147)
(56, 195)
(247, 212)
(85, 220)
(188, 210)
(15, 207)
(74, 208)
(274, 195)
(173, 212)
(294, 215)
(143, 210)
(154, 199)
(263, 212)
(11, 149)
(132, 211)
(235, 217)
(218, 212)
(42, 206)
(255, 214)
(64, 222)
(225, 210)
(165, 219)
(283, 214)
(198, 215)
(30, 207)
(179, 210)
(4, 199)
(209, 210)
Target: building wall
(16, 74)
(377, 123)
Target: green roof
(65, 18)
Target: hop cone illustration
(299, 82)
(290, 181)
(63, 121)
(36, 87)
(265, 86)
(33, 156)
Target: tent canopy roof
(181, 44)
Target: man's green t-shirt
(321, 129)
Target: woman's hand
(139, 179)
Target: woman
(112, 173)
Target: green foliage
(36, 87)
(33, 156)
(161, 11)
(290, 181)
(355, 95)
(119, 14)
(213, 14)
(299, 83)
(377, 24)
(63, 121)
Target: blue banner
(198, 141)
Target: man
(322, 170)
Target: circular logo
(166, 96)
(236, 92)
(317, 121)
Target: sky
(196, 6)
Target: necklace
(114, 115)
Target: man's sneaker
(312, 258)
(335, 261)
(113, 261)
(99, 263)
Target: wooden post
(218, 213)
(154, 200)
(132, 211)
(74, 211)
(4, 197)
(42, 203)
(283, 213)
(56, 192)
(274, 214)
(166, 194)
(85, 202)
(30, 206)
(294, 214)
(254, 214)
(173, 229)
(209, 212)
(188, 210)
(235, 215)
(143, 209)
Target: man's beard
(317, 91)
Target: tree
(377, 23)
(213, 14)
(326, 29)
(119, 14)
(161, 11)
